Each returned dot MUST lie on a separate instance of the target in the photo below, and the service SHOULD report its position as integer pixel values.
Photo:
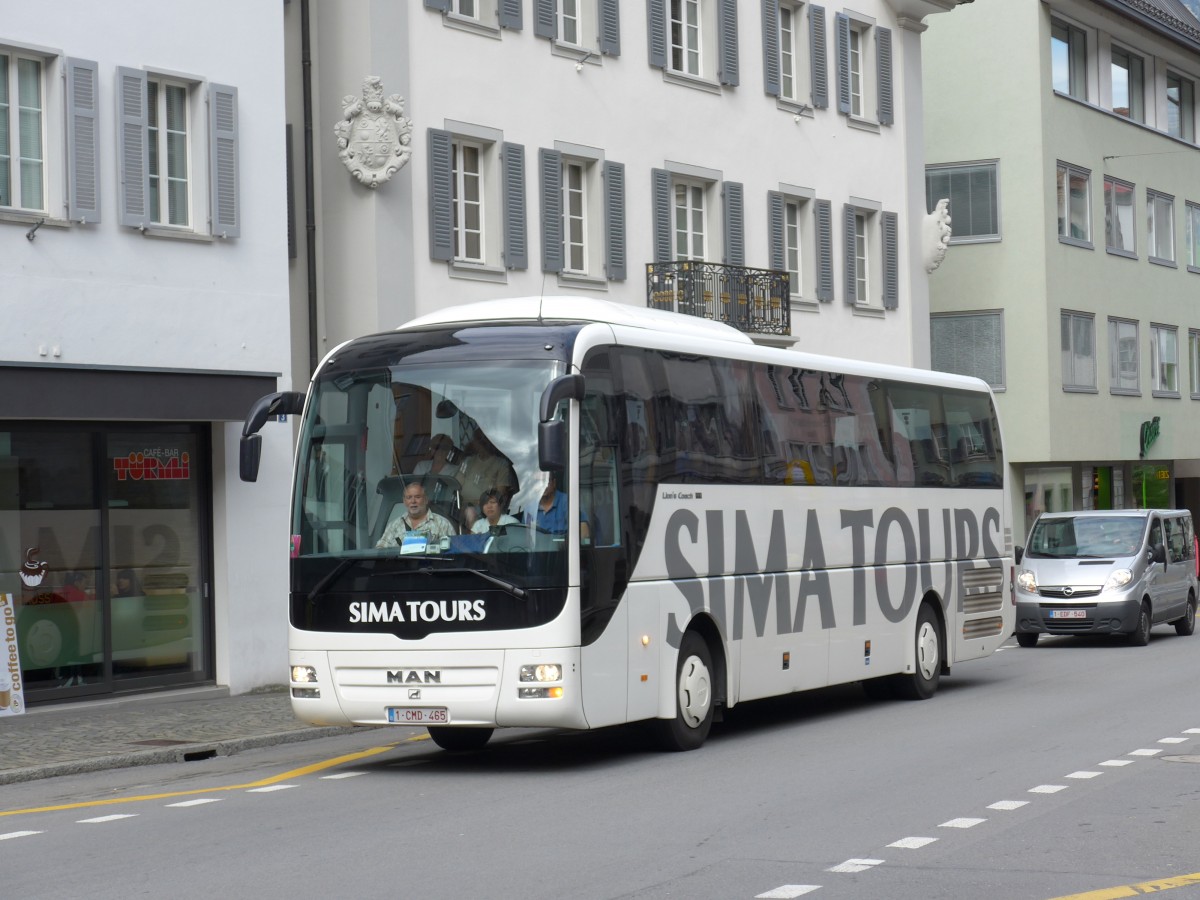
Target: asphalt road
(1040, 773)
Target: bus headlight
(1118, 579)
(1027, 581)
(304, 675)
(542, 672)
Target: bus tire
(1185, 625)
(693, 697)
(1140, 636)
(879, 688)
(459, 739)
(930, 651)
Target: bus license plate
(418, 715)
(1068, 613)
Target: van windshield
(1091, 537)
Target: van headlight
(1027, 581)
(1118, 579)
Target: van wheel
(1187, 624)
(1027, 638)
(1140, 636)
(459, 739)
(693, 698)
(923, 683)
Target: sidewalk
(174, 726)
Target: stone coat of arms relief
(373, 135)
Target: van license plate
(418, 715)
(1068, 613)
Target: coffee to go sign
(12, 699)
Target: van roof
(1108, 513)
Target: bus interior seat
(391, 489)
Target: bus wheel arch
(931, 660)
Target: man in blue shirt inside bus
(551, 511)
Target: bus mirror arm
(281, 403)
(552, 433)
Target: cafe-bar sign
(154, 465)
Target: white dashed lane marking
(198, 802)
(1172, 740)
(1083, 774)
(962, 823)
(1047, 789)
(341, 775)
(1145, 752)
(1008, 804)
(1116, 762)
(99, 820)
(912, 843)
(270, 788)
(788, 892)
(856, 865)
(17, 834)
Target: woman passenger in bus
(492, 505)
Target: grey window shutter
(550, 174)
(510, 14)
(727, 40)
(545, 18)
(777, 252)
(842, 23)
(661, 209)
(614, 220)
(133, 161)
(516, 244)
(223, 160)
(823, 216)
(891, 261)
(610, 27)
(883, 65)
(83, 148)
(440, 5)
(735, 230)
(441, 195)
(818, 65)
(656, 32)
(770, 20)
(851, 280)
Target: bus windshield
(430, 468)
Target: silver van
(1107, 571)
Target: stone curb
(179, 753)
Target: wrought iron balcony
(751, 300)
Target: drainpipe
(310, 211)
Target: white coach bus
(624, 515)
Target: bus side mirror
(281, 403)
(552, 434)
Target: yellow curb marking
(1136, 890)
(274, 779)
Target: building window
(1068, 59)
(793, 244)
(575, 217)
(871, 257)
(579, 25)
(685, 37)
(1120, 236)
(1194, 362)
(791, 71)
(1123, 357)
(864, 80)
(1074, 205)
(1192, 226)
(973, 193)
(22, 134)
(175, 174)
(466, 169)
(696, 39)
(793, 239)
(167, 143)
(1160, 227)
(1078, 351)
(969, 344)
(1164, 360)
(862, 258)
(1128, 84)
(477, 201)
(1181, 107)
(689, 219)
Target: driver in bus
(550, 512)
(418, 520)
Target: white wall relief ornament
(935, 234)
(374, 135)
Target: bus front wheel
(923, 682)
(693, 697)
(456, 739)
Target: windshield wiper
(517, 592)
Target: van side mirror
(1018, 553)
(1159, 554)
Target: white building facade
(666, 153)
(1072, 277)
(143, 278)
